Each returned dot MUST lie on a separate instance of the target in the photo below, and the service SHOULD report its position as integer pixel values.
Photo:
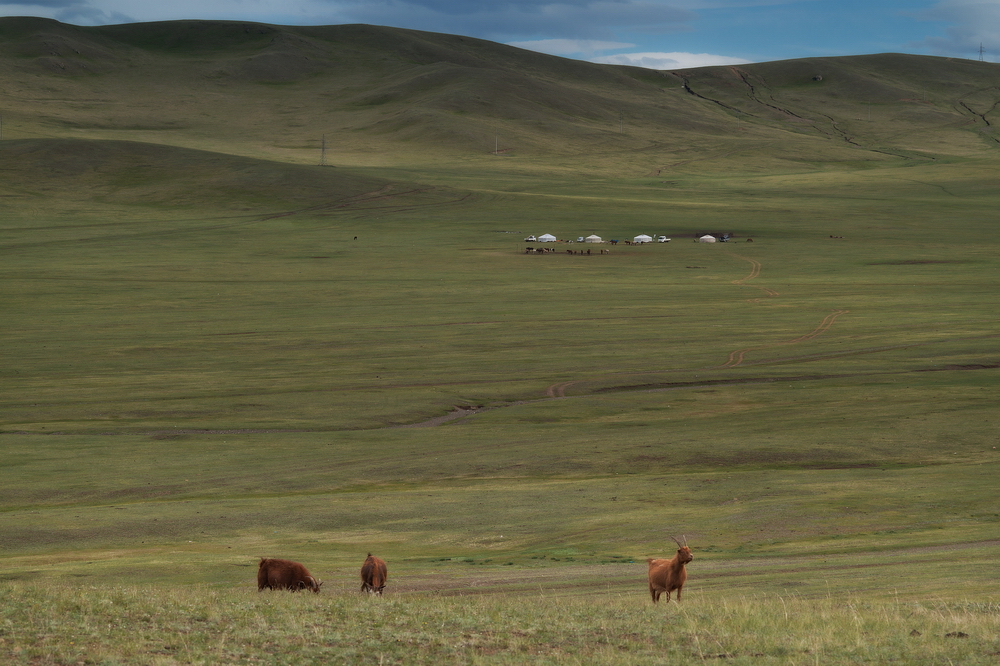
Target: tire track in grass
(737, 356)
(755, 268)
(559, 390)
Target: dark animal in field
(285, 575)
(669, 575)
(373, 575)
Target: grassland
(219, 354)
(167, 626)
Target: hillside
(889, 104)
(385, 96)
(72, 172)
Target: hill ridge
(390, 95)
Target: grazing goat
(285, 575)
(669, 575)
(373, 575)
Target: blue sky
(661, 34)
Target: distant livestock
(373, 575)
(669, 575)
(285, 575)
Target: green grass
(202, 366)
(53, 624)
(195, 313)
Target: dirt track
(754, 274)
(737, 356)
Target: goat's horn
(677, 542)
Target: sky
(659, 34)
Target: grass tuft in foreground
(51, 623)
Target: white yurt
(546, 238)
(642, 238)
(593, 238)
(708, 238)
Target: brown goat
(669, 575)
(373, 575)
(285, 575)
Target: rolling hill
(117, 173)
(385, 96)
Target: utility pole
(980, 51)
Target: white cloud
(970, 23)
(568, 47)
(674, 60)
(588, 48)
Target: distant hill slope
(882, 103)
(384, 95)
(116, 173)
